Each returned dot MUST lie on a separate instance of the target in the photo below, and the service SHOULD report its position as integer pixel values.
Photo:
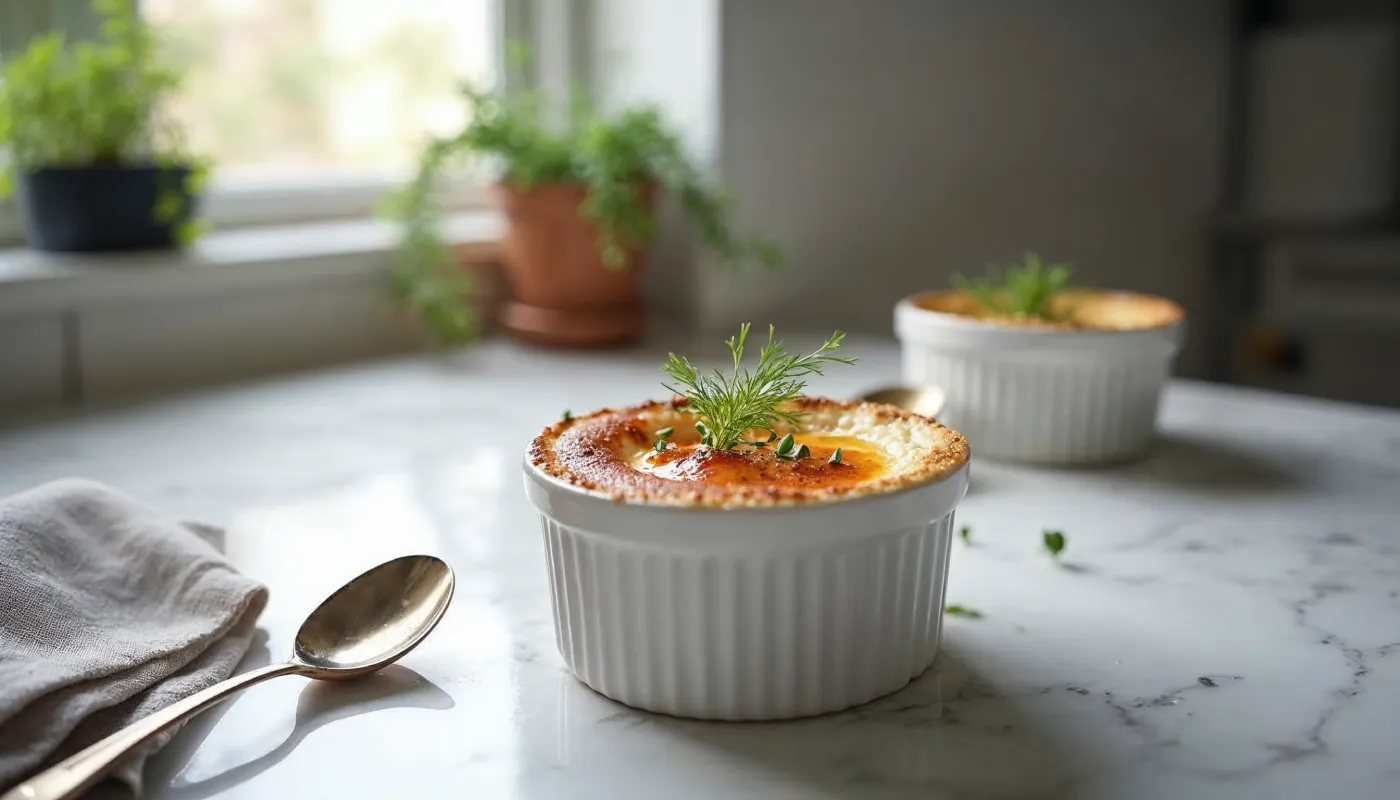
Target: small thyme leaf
(747, 399)
(660, 445)
(772, 435)
(706, 438)
(803, 452)
(1054, 542)
(835, 457)
(568, 415)
(665, 432)
(956, 610)
(966, 533)
(785, 446)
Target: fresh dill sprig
(1027, 289)
(729, 405)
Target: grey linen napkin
(108, 611)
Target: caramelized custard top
(1073, 309)
(760, 466)
(882, 449)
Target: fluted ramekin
(749, 613)
(1040, 395)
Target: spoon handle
(70, 777)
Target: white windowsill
(33, 282)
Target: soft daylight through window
(286, 91)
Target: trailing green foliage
(1026, 290)
(614, 155)
(93, 103)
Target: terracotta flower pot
(564, 294)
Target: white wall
(665, 53)
(887, 143)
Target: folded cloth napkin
(108, 611)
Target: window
(314, 107)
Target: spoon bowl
(375, 619)
(926, 401)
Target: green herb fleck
(665, 432)
(1027, 290)
(786, 445)
(966, 533)
(803, 452)
(955, 610)
(1054, 542)
(835, 457)
(772, 435)
(731, 404)
(568, 415)
(660, 445)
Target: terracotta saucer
(579, 327)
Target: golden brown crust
(1073, 309)
(590, 452)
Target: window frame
(556, 31)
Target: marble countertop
(1225, 622)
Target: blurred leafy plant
(1026, 290)
(614, 155)
(96, 103)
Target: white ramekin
(1040, 395)
(747, 614)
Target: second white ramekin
(751, 613)
(1040, 395)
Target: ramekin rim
(843, 501)
(906, 306)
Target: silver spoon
(366, 625)
(926, 401)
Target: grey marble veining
(1225, 622)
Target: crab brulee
(652, 453)
(742, 550)
(1038, 371)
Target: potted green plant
(580, 201)
(94, 161)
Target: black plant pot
(101, 207)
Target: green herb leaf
(660, 445)
(955, 610)
(966, 533)
(772, 435)
(665, 432)
(568, 415)
(744, 400)
(707, 437)
(786, 445)
(803, 452)
(1027, 290)
(1054, 542)
(835, 457)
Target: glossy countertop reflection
(1225, 623)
